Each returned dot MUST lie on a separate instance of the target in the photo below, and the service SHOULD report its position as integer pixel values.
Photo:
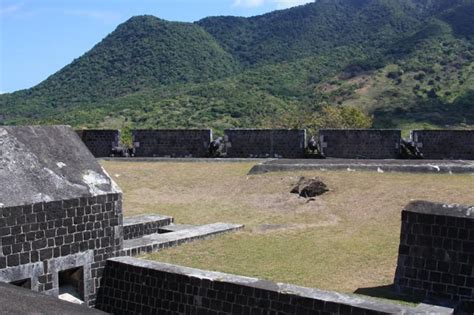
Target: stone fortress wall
(100, 142)
(172, 142)
(445, 144)
(436, 252)
(282, 143)
(60, 213)
(135, 286)
(61, 226)
(360, 143)
(265, 143)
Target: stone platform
(381, 166)
(172, 236)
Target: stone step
(155, 242)
(138, 226)
(175, 227)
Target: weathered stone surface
(44, 164)
(15, 300)
(310, 187)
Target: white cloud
(248, 3)
(279, 4)
(284, 4)
(4, 11)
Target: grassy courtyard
(344, 240)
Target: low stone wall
(138, 226)
(262, 143)
(445, 144)
(436, 254)
(360, 143)
(135, 286)
(100, 142)
(172, 143)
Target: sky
(39, 37)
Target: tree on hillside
(343, 117)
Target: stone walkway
(381, 166)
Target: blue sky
(39, 37)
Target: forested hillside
(409, 63)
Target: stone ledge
(381, 166)
(156, 242)
(432, 208)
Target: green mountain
(409, 63)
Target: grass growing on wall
(345, 240)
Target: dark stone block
(46, 254)
(3, 262)
(13, 260)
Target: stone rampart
(436, 253)
(100, 142)
(445, 144)
(265, 143)
(172, 142)
(360, 143)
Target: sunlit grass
(345, 240)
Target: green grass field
(344, 240)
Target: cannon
(122, 151)
(409, 151)
(313, 145)
(216, 148)
(314, 149)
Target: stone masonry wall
(135, 286)
(360, 143)
(172, 143)
(259, 143)
(100, 142)
(436, 254)
(39, 240)
(445, 144)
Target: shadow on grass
(388, 292)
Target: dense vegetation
(407, 63)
